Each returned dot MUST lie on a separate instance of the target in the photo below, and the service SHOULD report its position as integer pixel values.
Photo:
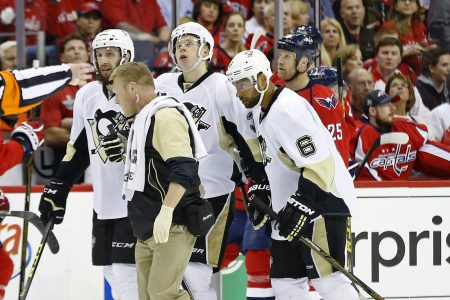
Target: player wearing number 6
(308, 180)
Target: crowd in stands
(400, 47)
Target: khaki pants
(160, 267)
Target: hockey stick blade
(262, 207)
(52, 242)
(400, 138)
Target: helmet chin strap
(297, 72)
(261, 96)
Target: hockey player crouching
(304, 171)
(161, 196)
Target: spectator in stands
(266, 41)
(62, 17)
(300, 13)
(242, 6)
(141, 19)
(439, 123)
(89, 22)
(395, 161)
(360, 83)
(232, 44)
(333, 40)
(388, 57)
(57, 110)
(185, 10)
(405, 19)
(438, 24)
(257, 21)
(352, 13)
(209, 13)
(432, 84)
(399, 85)
(351, 59)
(8, 55)
(35, 18)
(383, 33)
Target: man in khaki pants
(161, 180)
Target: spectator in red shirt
(232, 43)
(57, 110)
(62, 17)
(141, 19)
(89, 22)
(209, 13)
(35, 17)
(412, 32)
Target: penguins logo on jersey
(328, 102)
(252, 122)
(197, 113)
(99, 128)
(263, 147)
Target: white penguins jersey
(92, 113)
(211, 100)
(296, 146)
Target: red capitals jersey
(11, 154)
(331, 112)
(264, 43)
(35, 17)
(220, 60)
(62, 17)
(393, 161)
(58, 106)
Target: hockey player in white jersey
(94, 110)
(311, 188)
(223, 125)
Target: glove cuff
(166, 211)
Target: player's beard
(386, 122)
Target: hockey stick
(400, 138)
(37, 258)
(340, 82)
(262, 207)
(31, 217)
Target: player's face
(246, 92)
(186, 51)
(441, 71)
(286, 64)
(107, 60)
(388, 57)
(384, 114)
(74, 52)
(124, 97)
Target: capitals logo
(328, 102)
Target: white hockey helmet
(197, 30)
(113, 38)
(248, 64)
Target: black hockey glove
(295, 217)
(115, 144)
(53, 201)
(260, 191)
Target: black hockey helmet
(323, 75)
